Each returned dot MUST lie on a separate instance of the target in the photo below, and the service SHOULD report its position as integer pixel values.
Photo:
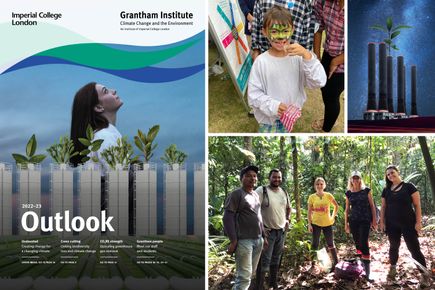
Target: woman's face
(108, 98)
(356, 180)
(320, 185)
(392, 175)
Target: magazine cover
(102, 176)
(390, 77)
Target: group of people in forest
(256, 221)
(286, 38)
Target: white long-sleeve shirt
(110, 135)
(274, 80)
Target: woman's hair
(84, 114)
(350, 184)
(277, 14)
(318, 179)
(388, 183)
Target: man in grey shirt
(275, 210)
(244, 227)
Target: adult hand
(232, 247)
(374, 225)
(297, 49)
(418, 227)
(255, 53)
(335, 62)
(287, 225)
(347, 228)
(281, 109)
(250, 17)
(265, 244)
(310, 228)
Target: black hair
(387, 181)
(84, 114)
(274, 170)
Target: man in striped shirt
(302, 21)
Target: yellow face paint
(278, 32)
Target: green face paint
(280, 32)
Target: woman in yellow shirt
(320, 219)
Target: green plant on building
(30, 157)
(392, 32)
(145, 142)
(91, 146)
(119, 155)
(174, 156)
(61, 152)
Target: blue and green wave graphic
(142, 64)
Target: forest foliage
(332, 158)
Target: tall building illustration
(175, 190)
(199, 199)
(5, 199)
(145, 181)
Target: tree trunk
(282, 160)
(295, 179)
(429, 164)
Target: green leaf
(37, 158)
(395, 34)
(96, 145)
(89, 132)
(94, 159)
(152, 133)
(379, 27)
(31, 146)
(86, 158)
(85, 152)
(394, 47)
(138, 143)
(74, 154)
(387, 41)
(141, 136)
(20, 159)
(389, 23)
(85, 142)
(401, 27)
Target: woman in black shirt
(359, 215)
(401, 215)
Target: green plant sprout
(173, 156)
(121, 154)
(30, 157)
(91, 146)
(61, 152)
(145, 142)
(392, 32)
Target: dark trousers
(360, 233)
(327, 232)
(272, 255)
(331, 94)
(411, 239)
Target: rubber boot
(366, 264)
(273, 275)
(259, 279)
(333, 252)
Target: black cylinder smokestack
(371, 103)
(390, 84)
(382, 77)
(400, 87)
(414, 90)
(404, 88)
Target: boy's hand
(281, 109)
(297, 49)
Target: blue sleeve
(244, 7)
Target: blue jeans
(247, 255)
(272, 254)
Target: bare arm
(372, 207)
(382, 222)
(317, 43)
(346, 213)
(310, 212)
(416, 202)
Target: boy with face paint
(279, 76)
